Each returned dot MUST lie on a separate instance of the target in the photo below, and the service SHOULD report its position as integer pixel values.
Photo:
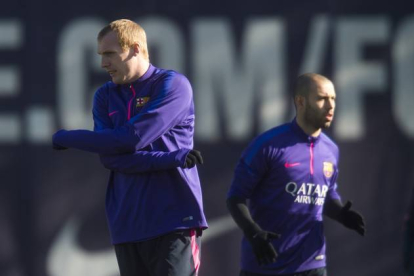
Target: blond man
(143, 132)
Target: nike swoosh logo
(112, 113)
(218, 227)
(289, 165)
(67, 258)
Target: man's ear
(299, 101)
(136, 48)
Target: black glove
(262, 247)
(193, 158)
(352, 219)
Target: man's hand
(352, 219)
(259, 239)
(193, 158)
(262, 246)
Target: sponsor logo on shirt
(142, 101)
(307, 193)
(328, 169)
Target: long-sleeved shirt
(141, 131)
(287, 176)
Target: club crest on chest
(142, 101)
(328, 169)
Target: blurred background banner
(242, 58)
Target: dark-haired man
(289, 175)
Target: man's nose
(104, 62)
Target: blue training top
(288, 175)
(143, 132)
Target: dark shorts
(174, 254)
(313, 272)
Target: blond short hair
(129, 33)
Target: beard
(316, 118)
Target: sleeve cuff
(181, 156)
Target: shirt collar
(302, 135)
(144, 77)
